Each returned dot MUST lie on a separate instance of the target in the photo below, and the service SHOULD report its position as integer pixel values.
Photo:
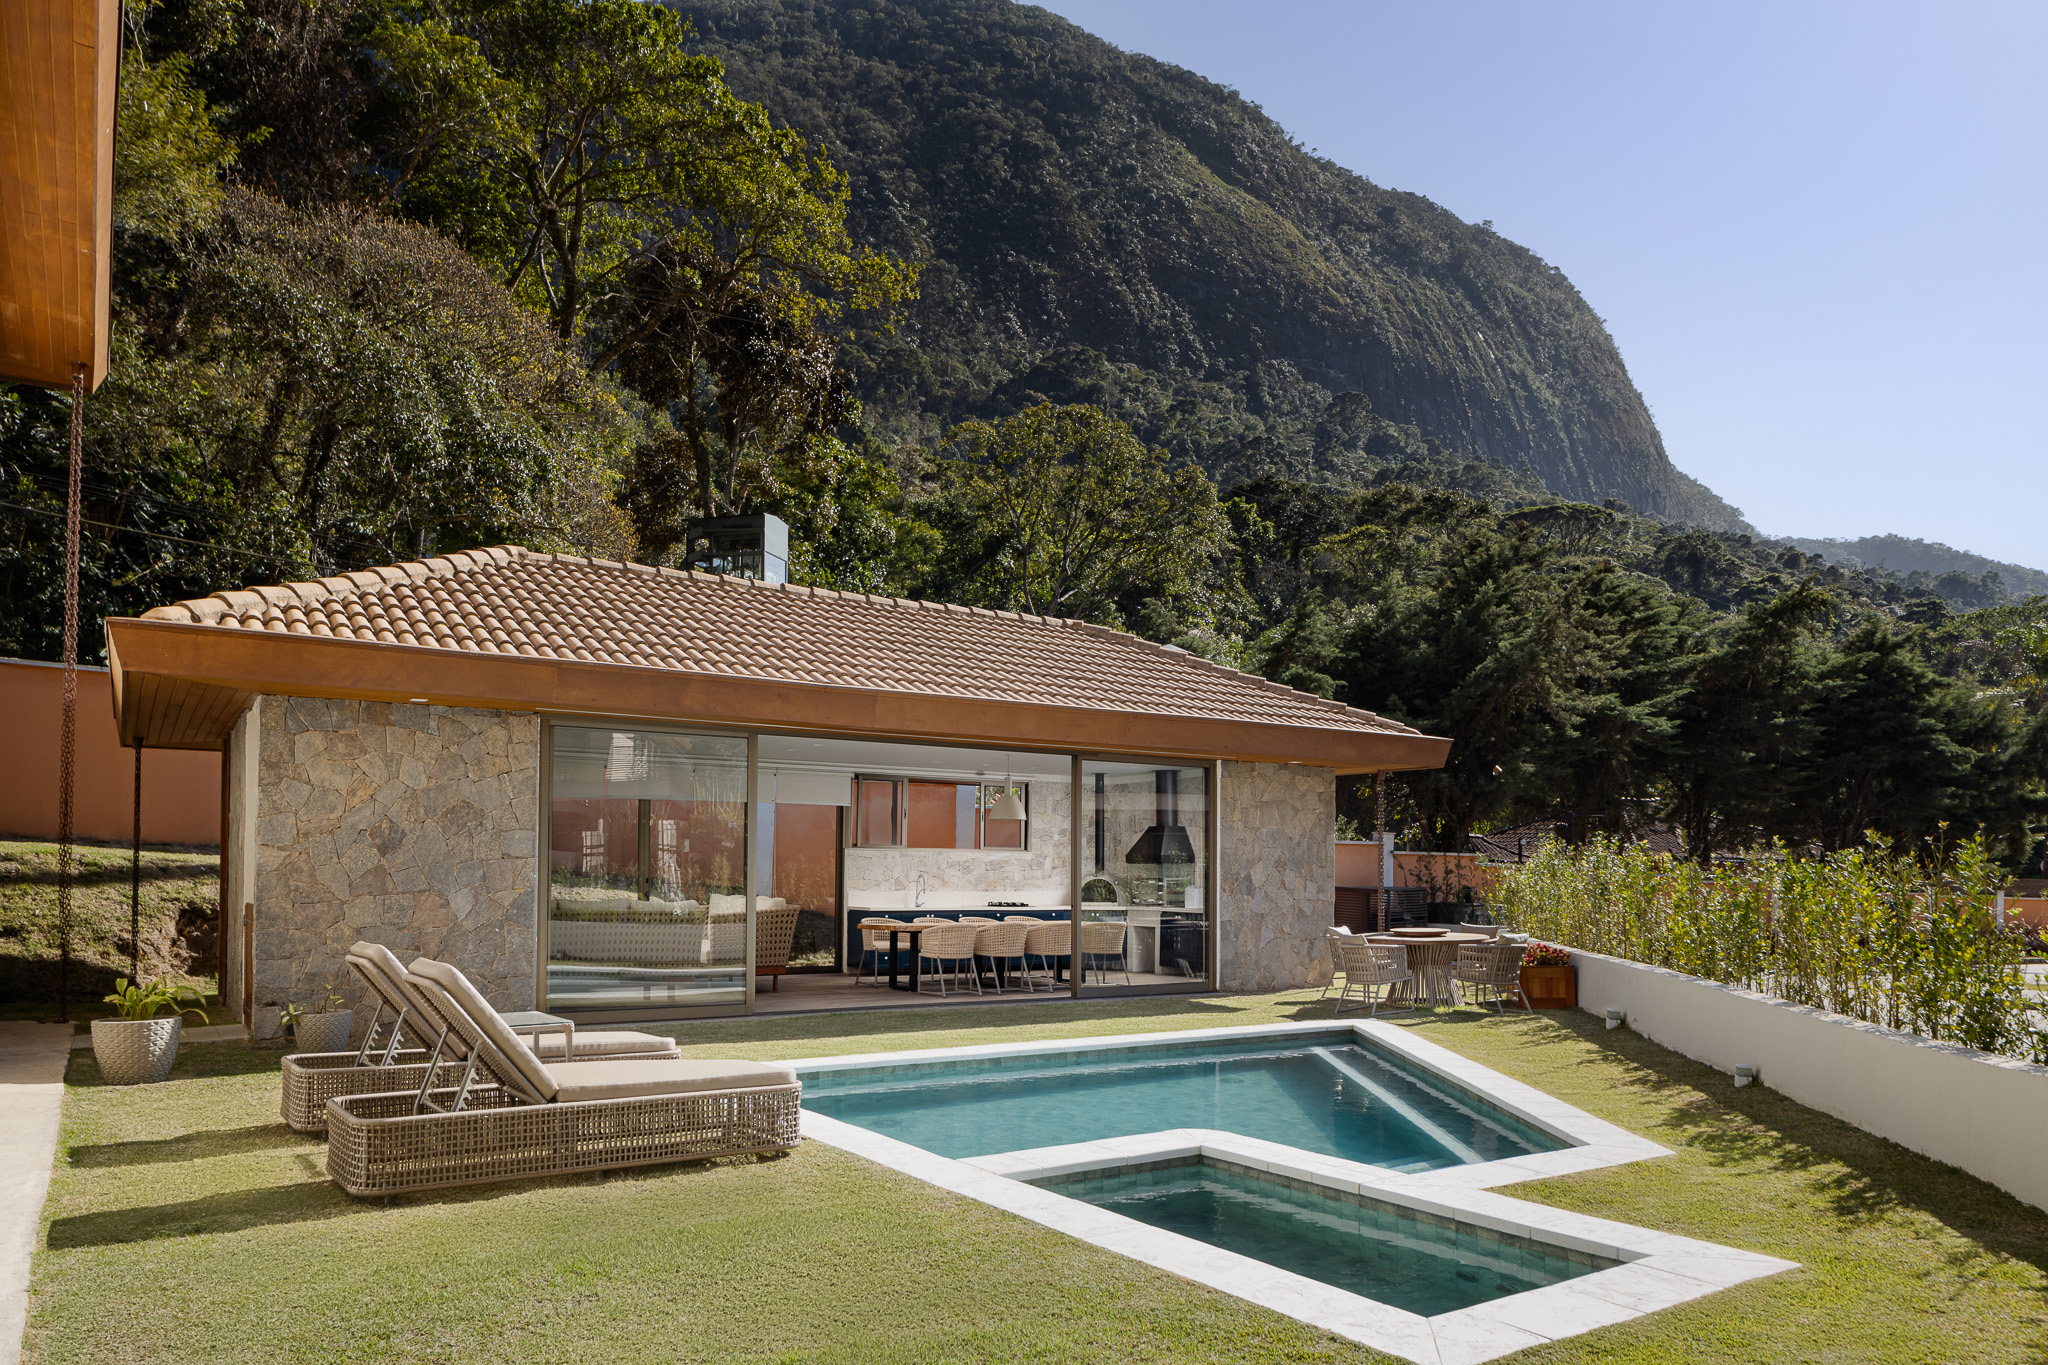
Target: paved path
(32, 1059)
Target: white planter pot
(136, 1051)
(322, 1032)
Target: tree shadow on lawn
(317, 1199)
(1859, 1176)
(195, 1060)
(196, 1146)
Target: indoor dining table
(1431, 957)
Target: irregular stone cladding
(413, 826)
(887, 877)
(1278, 876)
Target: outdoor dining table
(1431, 957)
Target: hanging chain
(67, 754)
(135, 878)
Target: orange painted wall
(2027, 910)
(180, 787)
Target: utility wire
(138, 531)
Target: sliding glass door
(646, 888)
(1144, 876)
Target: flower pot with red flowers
(1549, 981)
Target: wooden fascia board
(59, 67)
(272, 663)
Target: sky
(1813, 229)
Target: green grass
(176, 879)
(185, 1222)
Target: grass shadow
(195, 1060)
(1859, 1176)
(195, 1146)
(232, 1211)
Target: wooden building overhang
(182, 686)
(59, 61)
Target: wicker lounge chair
(512, 1116)
(1495, 967)
(310, 1079)
(1368, 968)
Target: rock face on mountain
(1102, 225)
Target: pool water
(1323, 1093)
(1387, 1253)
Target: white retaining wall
(1971, 1109)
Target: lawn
(185, 1223)
(179, 887)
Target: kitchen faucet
(918, 904)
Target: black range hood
(1167, 840)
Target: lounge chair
(312, 1078)
(513, 1116)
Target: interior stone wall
(1278, 878)
(413, 826)
(879, 877)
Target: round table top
(1418, 940)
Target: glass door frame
(544, 865)
(1212, 880)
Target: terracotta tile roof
(508, 600)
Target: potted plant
(1549, 981)
(137, 1047)
(324, 1030)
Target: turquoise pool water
(1322, 1093)
(1385, 1252)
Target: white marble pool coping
(1658, 1270)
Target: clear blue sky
(1814, 229)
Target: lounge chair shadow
(209, 1142)
(302, 1201)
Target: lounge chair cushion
(487, 1022)
(624, 1079)
(597, 1043)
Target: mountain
(1100, 225)
(1907, 556)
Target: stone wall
(413, 826)
(1040, 874)
(1278, 876)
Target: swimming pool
(1391, 1254)
(1330, 1093)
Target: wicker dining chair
(1495, 967)
(1369, 968)
(1336, 935)
(944, 942)
(874, 949)
(1045, 941)
(1000, 944)
(1104, 938)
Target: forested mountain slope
(1103, 227)
(1906, 555)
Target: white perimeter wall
(1982, 1113)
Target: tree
(1061, 511)
(352, 389)
(1483, 655)
(1742, 725)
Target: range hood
(1167, 840)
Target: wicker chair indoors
(513, 1116)
(1493, 967)
(310, 1079)
(949, 944)
(1049, 942)
(1373, 970)
(774, 931)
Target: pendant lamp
(1007, 806)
